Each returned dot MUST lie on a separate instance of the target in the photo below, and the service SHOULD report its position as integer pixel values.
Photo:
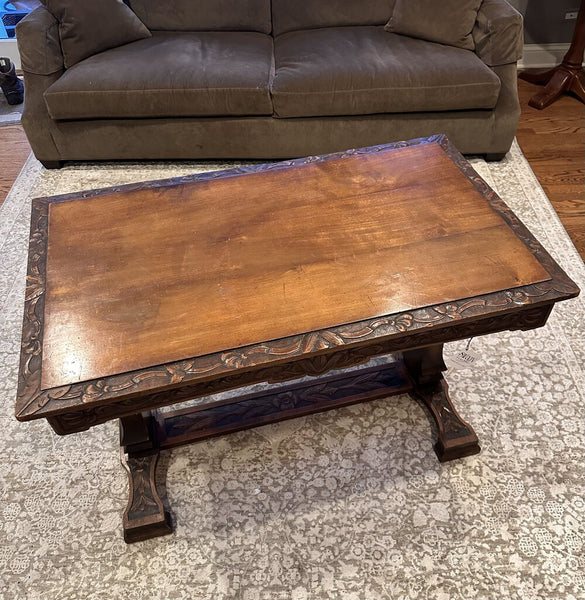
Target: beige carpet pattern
(350, 504)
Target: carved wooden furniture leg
(456, 438)
(145, 516)
(568, 76)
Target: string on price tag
(463, 359)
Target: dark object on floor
(569, 76)
(11, 85)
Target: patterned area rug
(348, 504)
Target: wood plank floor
(14, 150)
(553, 141)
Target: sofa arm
(498, 33)
(38, 41)
(41, 58)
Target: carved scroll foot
(456, 437)
(145, 516)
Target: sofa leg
(495, 156)
(52, 164)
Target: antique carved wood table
(149, 295)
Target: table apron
(86, 416)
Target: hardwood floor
(553, 141)
(14, 150)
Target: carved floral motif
(311, 353)
(144, 500)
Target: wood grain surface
(147, 277)
(552, 140)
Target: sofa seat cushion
(169, 75)
(366, 70)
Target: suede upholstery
(472, 131)
(365, 70)
(425, 19)
(232, 78)
(314, 14)
(42, 56)
(204, 15)
(85, 27)
(326, 79)
(498, 34)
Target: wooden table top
(153, 276)
(148, 275)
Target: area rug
(348, 504)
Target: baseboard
(542, 56)
(9, 49)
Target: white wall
(8, 48)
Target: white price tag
(464, 359)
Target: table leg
(142, 435)
(145, 516)
(456, 438)
(557, 81)
(566, 77)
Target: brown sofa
(266, 78)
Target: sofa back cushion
(204, 15)
(85, 26)
(447, 22)
(313, 14)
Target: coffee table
(154, 294)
